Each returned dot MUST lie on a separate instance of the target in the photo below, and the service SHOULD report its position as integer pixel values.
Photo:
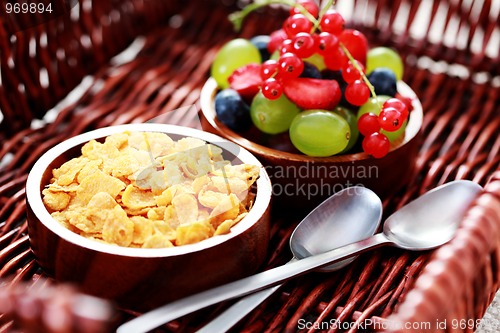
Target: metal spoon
(338, 222)
(425, 223)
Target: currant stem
(237, 18)
(325, 8)
(363, 76)
(308, 15)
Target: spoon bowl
(346, 217)
(432, 219)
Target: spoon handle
(232, 315)
(253, 283)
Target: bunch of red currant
(301, 39)
(393, 114)
(315, 66)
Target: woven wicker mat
(460, 141)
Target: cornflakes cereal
(95, 183)
(157, 241)
(186, 208)
(136, 198)
(146, 190)
(118, 229)
(225, 226)
(194, 232)
(227, 209)
(143, 229)
(56, 200)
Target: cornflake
(142, 189)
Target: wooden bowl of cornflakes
(143, 214)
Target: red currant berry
(291, 66)
(269, 69)
(350, 73)
(357, 93)
(390, 119)
(277, 38)
(303, 45)
(297, 23)
(326, 43)
(272, 89)
(376, 144)
(335, 60)
(398, 105)
(286, 47)
(309, 5)
(356, 43)
(368, 124)
(332, 22)
(407, 100)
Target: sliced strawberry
(246, 80)
(309, 93)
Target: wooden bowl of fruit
(319, 108)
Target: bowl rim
(34, 195)
(207, 104)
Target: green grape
(373, 106)
(275, 56)
(393, 136)
(272, 116)
(233, 55)
(384, 57)
(353, 125)
(317, 60)
(319, 133)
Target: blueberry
(310, 71)
(328, 74)
(384, 81)
(260, 43)
(232, 110)
(337, 76)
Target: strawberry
(246, 81)
(310, 93)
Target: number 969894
(28, 7)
